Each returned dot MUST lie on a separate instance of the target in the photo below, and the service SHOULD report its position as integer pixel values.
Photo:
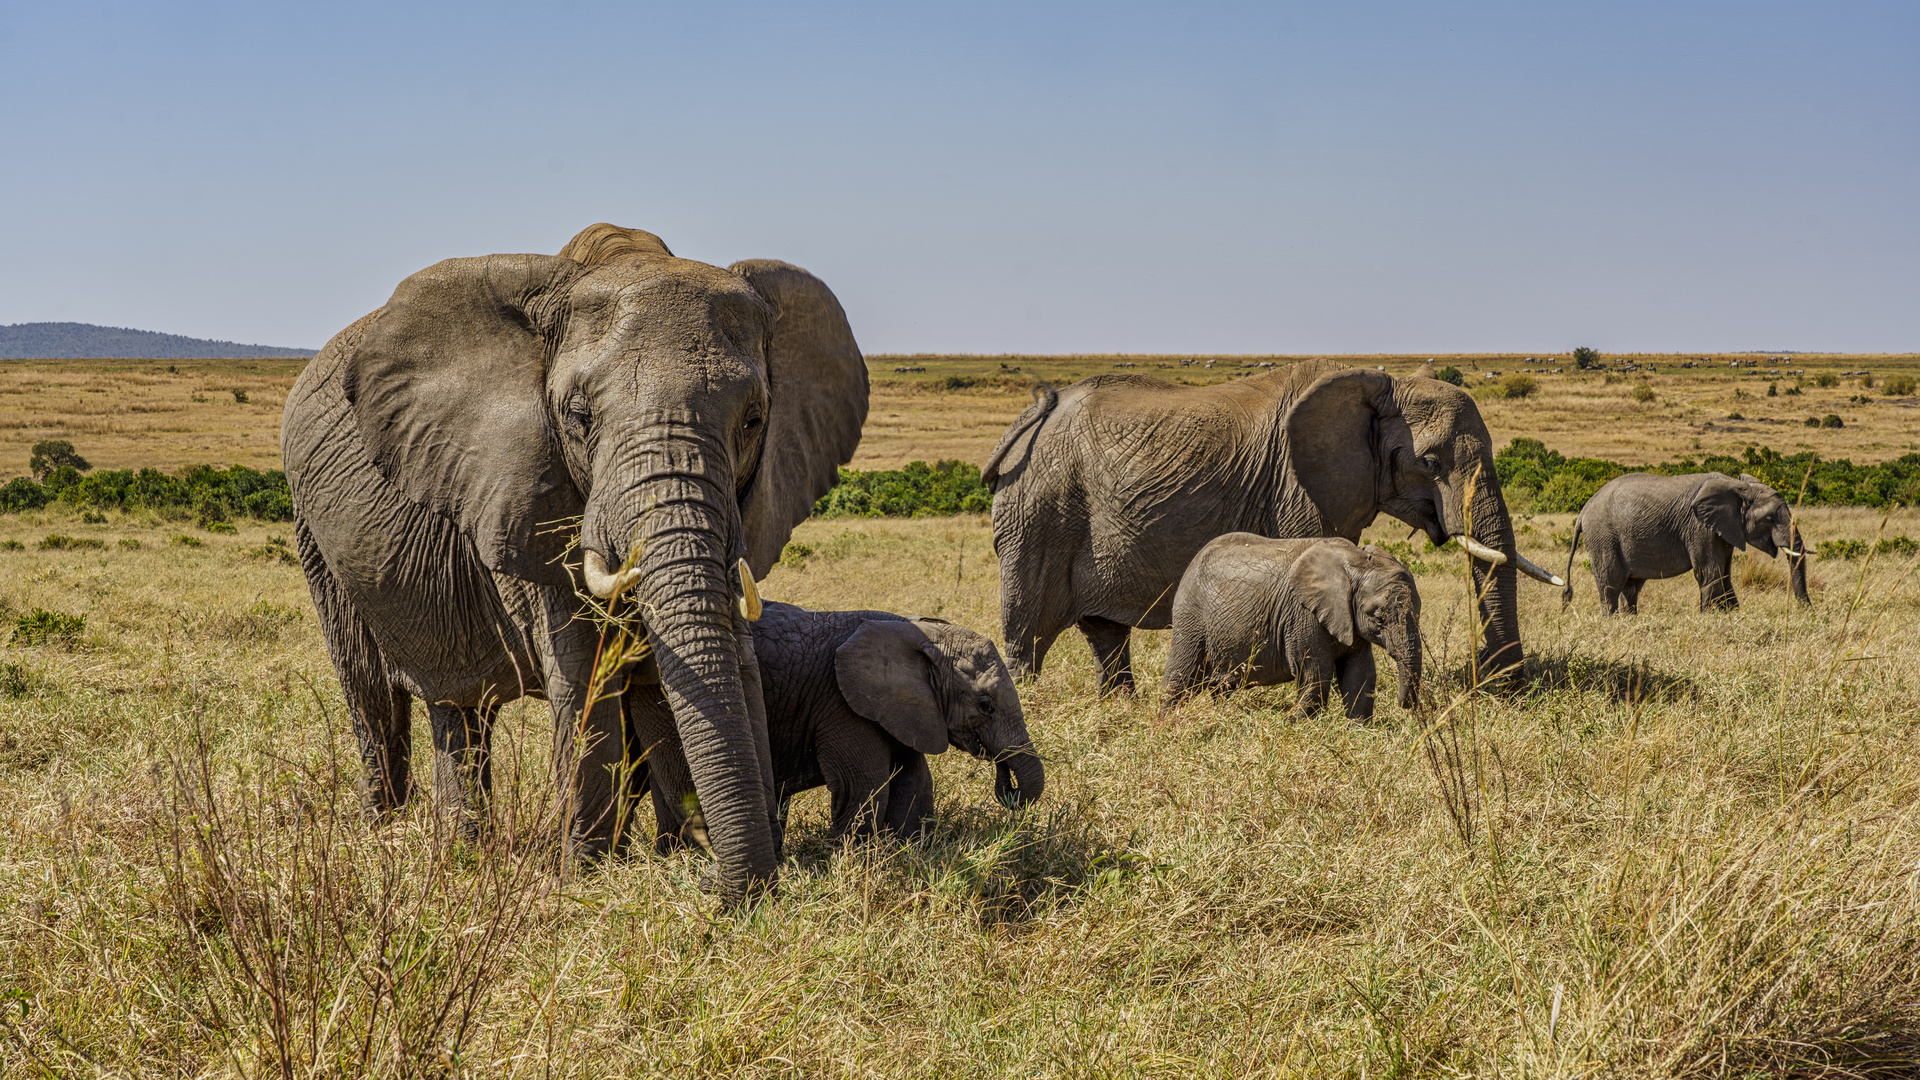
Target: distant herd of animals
(517, 450)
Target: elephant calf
(1642, 526)
(856, 700)
(1254, 611)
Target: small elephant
(1642, 526)
(856, 700)
(1260, 612)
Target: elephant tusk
(604, 583)
(1537, 574)
(1480, 551)
(748, 597)
(1792, 554)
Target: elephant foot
(732, 899)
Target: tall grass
(1693, 853)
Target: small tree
(1451, 374)
(1586, 359)
(50, 454)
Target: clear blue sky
(987, 177)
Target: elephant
(1642, 526)
(1104, 491)
(514, 442)
(856, 700)
(1251, 611)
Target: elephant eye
(986, 704)
(578, 415)
(755, 418)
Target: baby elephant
(855, 701)
(1254, 611)
(1642, 526)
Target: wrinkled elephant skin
(1257, 612)
(453, 454)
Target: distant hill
(79, 341)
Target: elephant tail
(1566, 594)
(1045, 397)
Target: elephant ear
(885, 671)
(1340, 436)
(1325, 582)
(818, 380)
(1718, 505)
(448, 387)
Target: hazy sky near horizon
(996, 177)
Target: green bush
(1826, 380)
(210, 494)
(1898, 386)
(1517, 386)
(42, 627)
(1451, 374)
(59, 542)
(1532, 475)
(1643, 393)
(1773, 389)
(1841, 549)
(919, 490)
(1585, 358)
(51, 454)
(1830, 420)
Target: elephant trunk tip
(1019, 779)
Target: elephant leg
(1630, 594)
(910, 796)
(380, 711)
(656, 742)
(1186, 666)
(1111, 649)
(1714, 573)
(462, 764)
(1357, 675)
(857, 759)
(1316, 678)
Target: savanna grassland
(1688, 845)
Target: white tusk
(604, 583)
(748, 601)
(1792, 554)
(1480, 551)
(1526, 566)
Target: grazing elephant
(1642, 526)
(511, 432)
(856, 700)
(1257, 612)
(1104, 491)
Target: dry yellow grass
(1693, 852)
(134, 413)
(130, 414)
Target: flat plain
(1688, 845)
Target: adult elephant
(1104, 491)
(510, 432)
(1641, 526)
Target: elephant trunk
(1019, 777)
(1496, 584)
(681, 578)
(1796, 549)
(1403, 644)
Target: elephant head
(1366, 595)
(1353, 453)
(1452, 439)
(673, 419)
(1747, 511)
(931, 684)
